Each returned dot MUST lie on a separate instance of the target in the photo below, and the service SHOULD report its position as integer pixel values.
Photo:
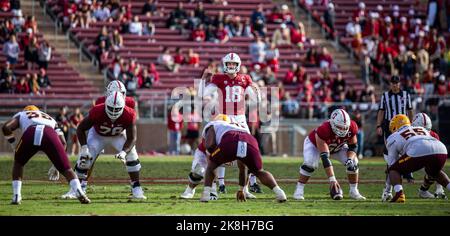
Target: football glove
(53, 174)
(121, 156)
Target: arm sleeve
(392, 151)
(381, 106)
(408, 102)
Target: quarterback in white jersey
(38, 134)
(411, 148)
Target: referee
(393, 102)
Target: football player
(226, 143)
(411, 148)
(231, 88)
(423, 120)
(39, 133)
(110, 123)
(335, 136)
(199, 164)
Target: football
(336, 191)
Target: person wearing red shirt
(174, 126)
(199, 34)
(193, 58)
(222, 34)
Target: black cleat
(255, 188)
(222, 189)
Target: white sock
(300, 185)
(17, 187)
(75, 185)
(277, 189)
(221, 175)
(439, 188)
(252, 179)
(214, 187)
(354, 187)
(398, 188)
(448, 187)
(332, 179)
(388, 186)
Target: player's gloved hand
(85, 158)
(53, 174)
(351, 165)
(240, 196)
(121, 156)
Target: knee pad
(306, 170)
(81, 173)
(133, 166)
(353, 171)
(195, 178)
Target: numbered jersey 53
(29, 118)
(104, 126)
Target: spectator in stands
(367, 95)
(117, 40)
(153, 73)
(423, 60)
(290, 77)
(63, 121)
(149, 8)
(272, 54)
(116, 67)
(282, 35)
(269, 76)
(351, 94)
(11, 50)
(147, 80)
(7, 84)
(33, 83)
(193, 127)
(256, 73)
(258, 21)
(353, 28)
(257, 51)
(43, 80)
(178, 58)
(440, 87)
(85, 15)
(74, 121)
(174, 127)
(198, 34)
(200, 13)
(290, 107)
(210, 33)
(22, 86)
(220, 18)
(221, 34)
(167, 60)
(287, 16)
(4, 31)
(275, 15)
(15, 6)
(7, 71)
(338, 85)
(247, 29)
(192, 21)
(312, 58)
(193, 58)
(178, 17)
(44, 54)
(298, 35)
(103, 37)
(31, 53)
(432, 13)
(31, 23)
(131, 83)
(5, 5)
(136, 26)
(307, 107)
(101, 54)
(18, 22)
(361, 15)
(330, 19)
(149, 28)
(102, 13)
(325, 59)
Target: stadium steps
(313, 31)
(62, 44)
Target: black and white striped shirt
(395, 103)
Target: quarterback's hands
(53, 174)
(379, 131)
(351, 165)
(240, 196)
(121, 156)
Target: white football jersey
(221, 127)
(412, 141)
(29, 118)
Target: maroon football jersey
(334, 142)
(103, 124)
(233, 92)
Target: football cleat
(425, 194)
(386, 196)
(213, 196)
(69, 195)
(255, 188)
(188, 193)
(356, 195)
(138, 193)
(281, 196)
(440, 195)
(222, 189)
(82, 197)
(205, 197)
(399, 197)
(298, 194)
(16, 200)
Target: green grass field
(164, 179)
